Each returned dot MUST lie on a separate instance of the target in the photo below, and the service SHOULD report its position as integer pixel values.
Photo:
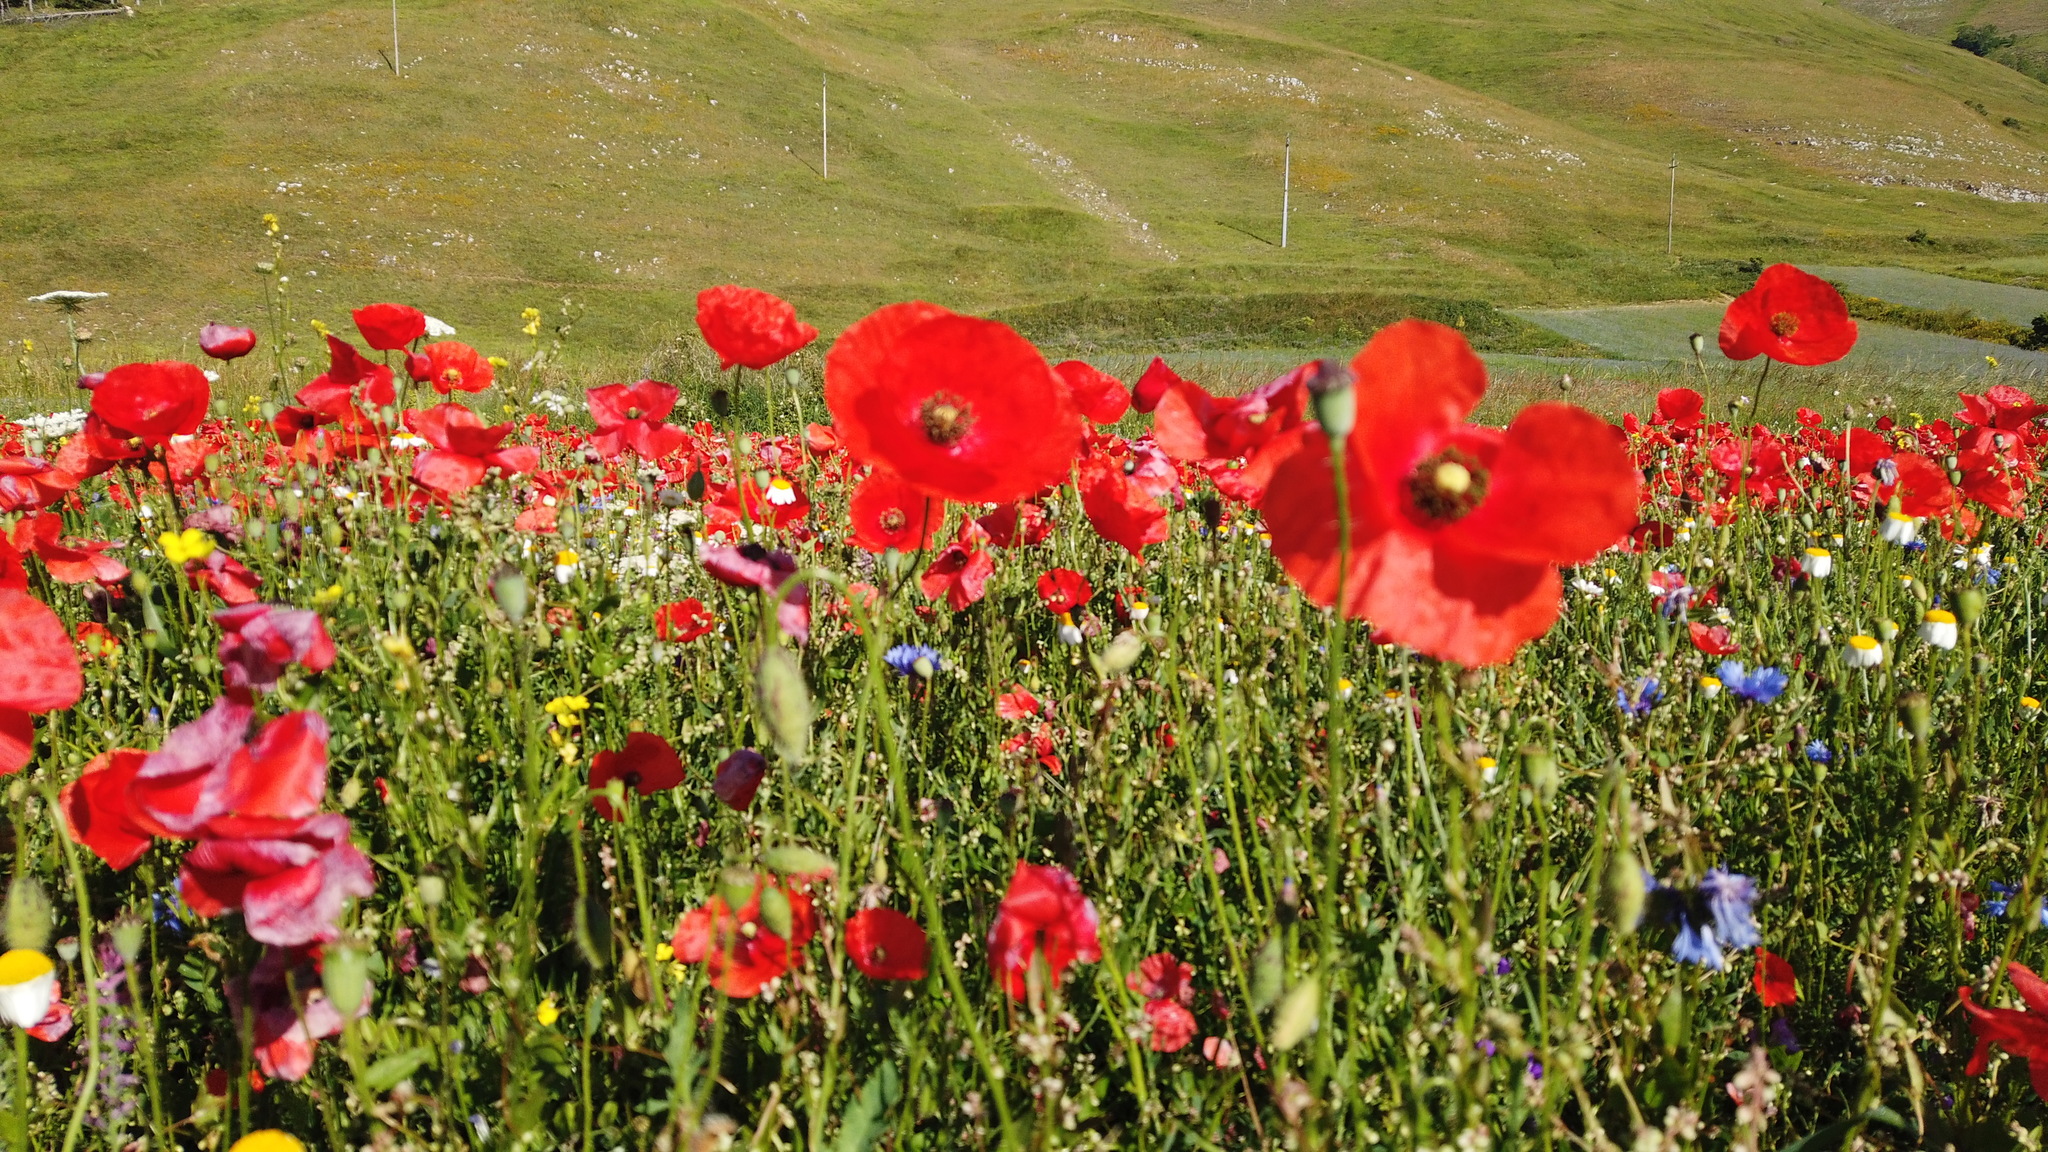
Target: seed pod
(1334, 398)
(784, 704)
(345, 976)
(509, 588)
(28, 915)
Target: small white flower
(405, 440)
(1139, 611)
(1863, 652)
(566, 562)
(1588, 587)
(1070, 634)
(1710, 686)
(781, 492)
(212, 377)
(439, 328)
(28, 985)
(1938, 627)
(1899, 528)
(1817, 563)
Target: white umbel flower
(1817, 563)
(1863, 652)
(28, 984)
(1938, 627)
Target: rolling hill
(1033, 156)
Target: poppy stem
(88, 991)
(1338, 729)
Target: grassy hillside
(987, 155)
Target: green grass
(988, 156)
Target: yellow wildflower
(327, 597)
(548, 1012)
(184, 547)
(567, 710)
(268, 1140)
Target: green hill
(1032, 156)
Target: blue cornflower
(914, 659)
(2001, 896)
(1503, 966)
(1534, 1068)
(1711, 917)
(1759, 687)
(1781, 1031)
(1637, 699)
(1486, 1046)
(1818, 753)
(166, 915)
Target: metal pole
(1286, 184)
(1671, 213)
(396, 70)
(825, 125)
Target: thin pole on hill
(1286, 184)
(825, 125)
(1671, 213)
(396, 71)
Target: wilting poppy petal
(738, 777)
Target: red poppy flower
(2001, 406)
(1173, 1026)
(151, 402)
(647, 764)
(2023, 1034)
(350, 379)
(389, 327)
(630, 416)
(748, 326)
(96, 641)
(208, 769)
(1063, 590)
(1775, 984)
(684, 621)
(1457, 529)
(1017, 525)
(38, 673)
(1043, 913)
(741, 953)
(1038, 745)
(68, 561)
(1190, 424)
(227, 342)
(259, 641)
(56, 1023)
(752, 566)
(1017, 704)
(1119, 510)
(288, 1014)
(1791, 316)
(779, 504)
(1713, 639)
(738, 777)
(1162, 976)
(449, 365)
(821, 439)
(29, 482)
(886, 944)
(98, 813)
(1681, 408)
(889, 513)
(227, 578)
(960, 574)
(289, 877)
(1157, 380)
(465, 450)
(962, 408)
(1102, 398)
(1922, 486)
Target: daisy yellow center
(1937, 616)
(780, 484)
(1784, 324)
(1863, 643)
(946, 418)
(268, 1140)
(22, 965)
(1447, 486)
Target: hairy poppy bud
(1622, 896)
(1539, 768)
(1969, 605)
(28, 915)
(736, 887)
(344, 976)
(509, 588)
(1298, 1013)
(695, 485)
(127, 936)
(1268, 970)
(1212, 512)
(1331, 392)
(721, 403)
(1698, 342)
(1914, 714)
(432, 890)
(776, 914)
(784, 704)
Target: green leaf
(861, 1123)
(791, 860)
(386, 1073)
(1298, 1014)
(1267, 976)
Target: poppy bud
(1969, 606)
(508, 586)
(1298, 1013)
(91, 380)
(1212, 512)
(127, 936)
(1334, 398)
(1698, 342)
(794, 377)
(776, 914)
(344, 976)
(1121, 654)
(736, 887)
(1913, 712)
(695, 485)
(1539, 768)
(1622, 896)
(1268, 970)
(432, 890)
(784, 704)
(28, 915)
(791, 860)
(721, 403)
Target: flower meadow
(964, 750)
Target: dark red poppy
(1713, 639)
(959, 575)
(750, 327)
(647, 764)
(1120, 511)
(465, 449)
(1063, 590)
(630, 416)
(1791, 316)
(209, 770)
(1776, 985)
(259, 641)
(389, 327)
(227, 342)
(739, 950)
(450, 366)
(1456, 529)
(684, 621)
(151, 402)
(964, 409)
(1157, 380)
(1043, 913)
(1190, 424)
(886, 944)
(2023, 1034)
(1102, 398)
(889, 513)
(98, 813)
(38, 673)
(752, 566)
(1017, 525)
(738, 777)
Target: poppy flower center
(1784, 324)
(633, 413)
(894, 520)
(451, 377)
(946, 419)
(1446, 487)
(630, 779)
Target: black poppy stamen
(1446, 487)
(946, 418)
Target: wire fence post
(1671, 212)
(825, 126)
(397, 71)
(1286, 184)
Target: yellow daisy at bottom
(2032, 706)
(28, 982)
(268, 1140)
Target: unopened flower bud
(1331, 393)
(509, 588)
(345, 976)
(1914, 713)
(432, 890)
(28, 915)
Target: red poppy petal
(1561, 490)
(1415, 380)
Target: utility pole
(825, 125)
(396, 71)
(1286, 184)
(1671, 213)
